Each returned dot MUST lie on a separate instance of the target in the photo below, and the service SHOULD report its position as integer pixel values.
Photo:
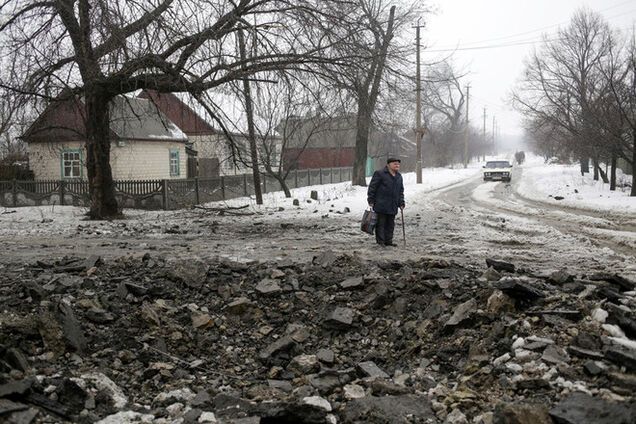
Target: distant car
(498, 170)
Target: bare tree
(563, 86)
(99, 50)
(620, 111)
(445, 103)
(374, 51)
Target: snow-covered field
(547, 183)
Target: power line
(469, 45)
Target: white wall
(133, 160)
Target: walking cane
(403, 231)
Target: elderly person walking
(385, 195)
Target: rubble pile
(336, 340)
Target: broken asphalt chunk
(519, 290)
(582, 408)
(370, 369)
(500, 266)
(339, 319)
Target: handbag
(369, 219)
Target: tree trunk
(602, 174)
(633, 191)
(613, 171)
(283, 184)
(362, 138)
(249, 112)
(103, 203)
(585, 166)
(596, 168)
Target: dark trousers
(384, 228)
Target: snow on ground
(545, 183)
(68, 220)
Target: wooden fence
(160, 194)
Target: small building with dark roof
(145, 143)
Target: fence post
(296, 178)
(331, 175)
(264, 183)
(320, 170)
(196, 190)
(164, 194)
(245, 185)
(14, 191)
(222, 187)
(62, 191)
(340, 172)
(308, 177)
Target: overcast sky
(497, 36)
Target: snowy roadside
(563, 185)
(68, 220)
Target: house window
(174, 162)
(71, 164)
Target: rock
(462, 313)
(207, 417)
(389, 409)
(622, 318)
(499, 302)
(282, 385)
(16, 359)
(593, 368)
(622, 283)
(106, 388)
(521, 413)
(191, 273)
(622, 356)
(352, 283)
(370, 369)
(325, 259)
(500, 266)
(15, 388)
(318, 402)
(325, 355)
(127, 417)
(313, 194)
(268, 287)
(560, 277)
(238, 306)
(555, 355)
(585, 353)
(491, 275)
(456, 417)
(599, 315)
(150, 315)
(303, 364)
(324, 383)
(582, 408)
(283, 344)
(71, 395)
(201, 320)
(91, 262)
(519, 290)
(60, 329)
(296, 202)
(353, 391)
(340, 319)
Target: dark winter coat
(386, 192)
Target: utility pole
(419, 131)
(250, 125)
(493, 134)
(466, 128)
(484, 136)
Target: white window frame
(174, 163)
(72, 164)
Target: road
(467, 222)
